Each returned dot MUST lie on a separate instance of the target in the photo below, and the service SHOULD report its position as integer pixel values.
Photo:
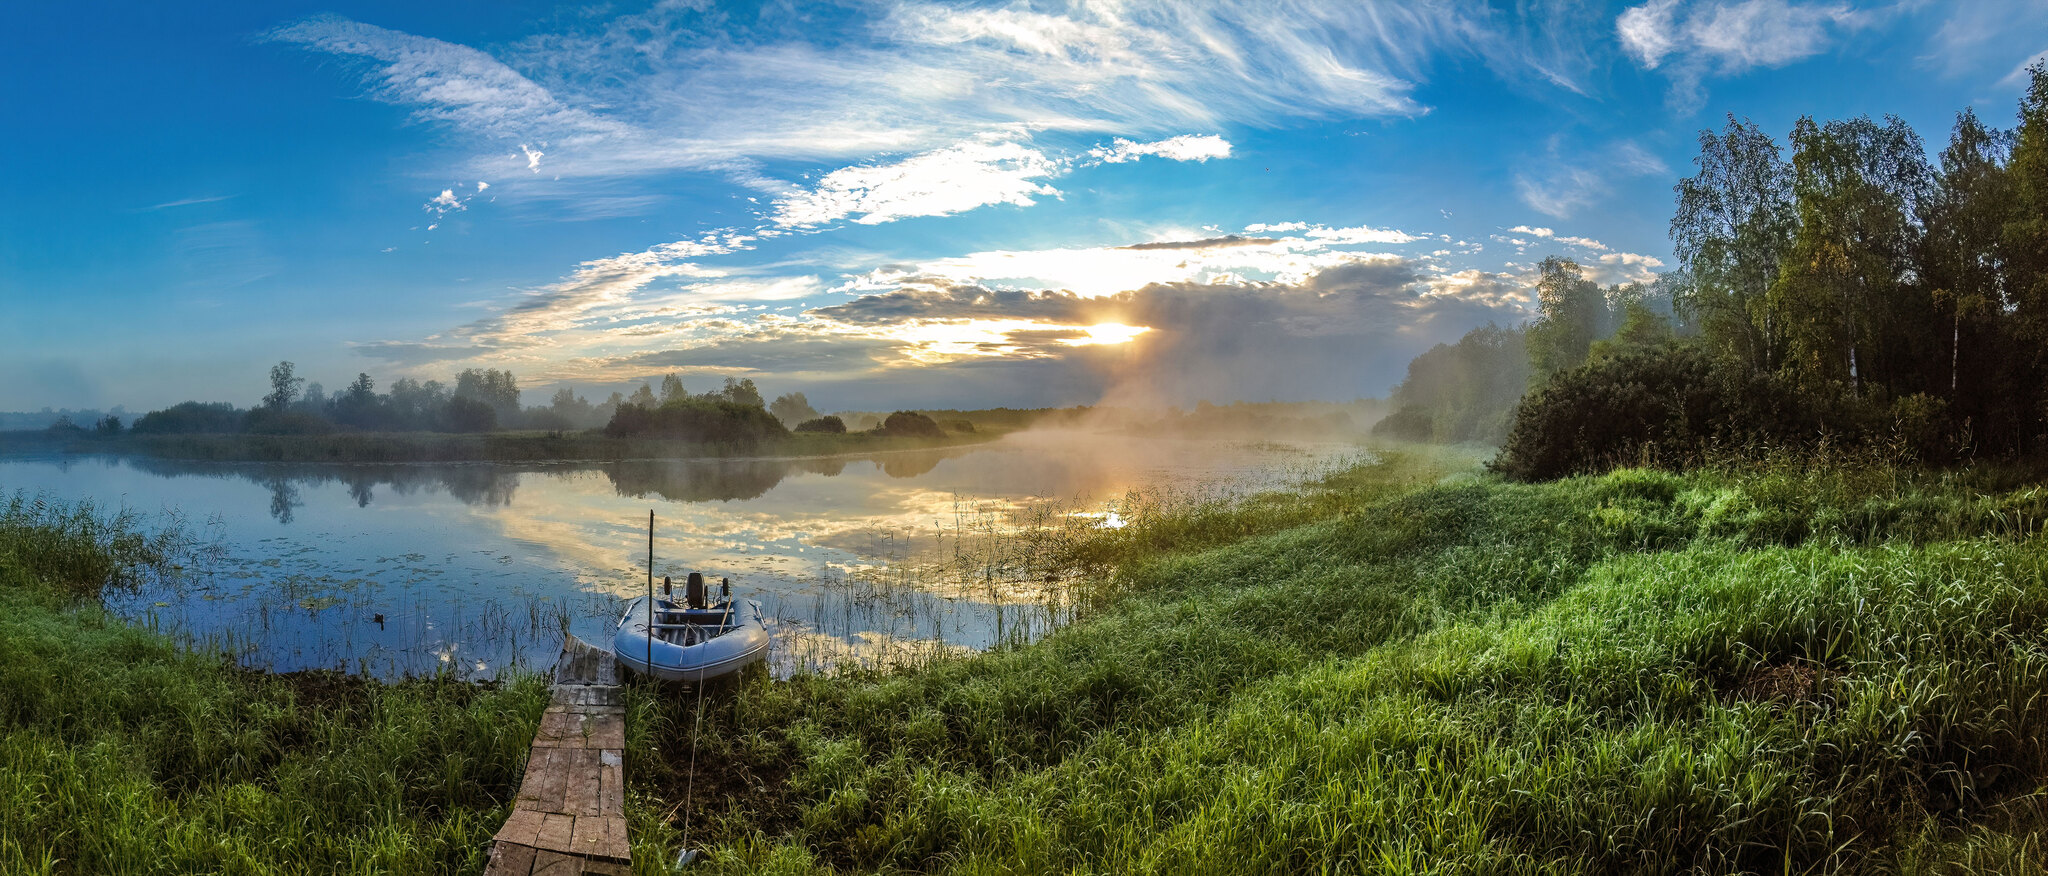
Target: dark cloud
(963, 302)
(1227, 240)
(1345, 332)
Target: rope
(690, 785)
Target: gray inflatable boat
(690, 644)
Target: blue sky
(881, 204)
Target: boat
(693, 640)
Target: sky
(879, 204)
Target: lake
(471, 568)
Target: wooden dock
(570, 814)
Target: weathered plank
(569, 814)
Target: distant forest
(1860, 294)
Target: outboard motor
(693, 591)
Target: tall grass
(1785, 669)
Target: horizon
(883, 206)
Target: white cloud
(1186, 147)
(1361, 234)
(2018, 78)
(1584, 242)
(533, 157)
(481, 185)
(1275, 227)
(943, 181)
(444, 203)
(1649, 32)
(1693, 40)
(1533, 232)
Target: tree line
(1843, 285)
(484, 400)
(478, 400)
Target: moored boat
(693, 640)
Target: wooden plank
(611, 789)
(522, 827)
(583, 796)
(608, 731)
(554, 781)
(552, 863)
(555, 833)
(608, 868)
(510, 859)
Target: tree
(742, 392)
(792, 408)
(1846, 296)
(827, 423)
(1963, 261)
(358, 405)
(283, 387)
(498, 389)
(1733, 227)
(672, 389)
(1573, 314)
(644, 397)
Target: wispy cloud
(1691, 41)
(1559, 185)
(188, 202)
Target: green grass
(1784, 666)
(1790, 669)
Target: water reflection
(493, 484)
(473, 567)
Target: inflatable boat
(693, 640)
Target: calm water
(474, 567)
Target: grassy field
(1407, 667)
(1789, 669)
(449, 447)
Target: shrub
(908, 424)
(697, 419)
(827, 423)
(1635, 407)
(964, 427)
(189, 417)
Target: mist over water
(469, 568)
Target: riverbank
(451, 447)
(1405, 666)
(1791, 668)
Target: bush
(908, 424)
(189, 417)
(827, 423)
(964, 427)
(1639, 407)
(700, 420)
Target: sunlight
(1107, 333)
